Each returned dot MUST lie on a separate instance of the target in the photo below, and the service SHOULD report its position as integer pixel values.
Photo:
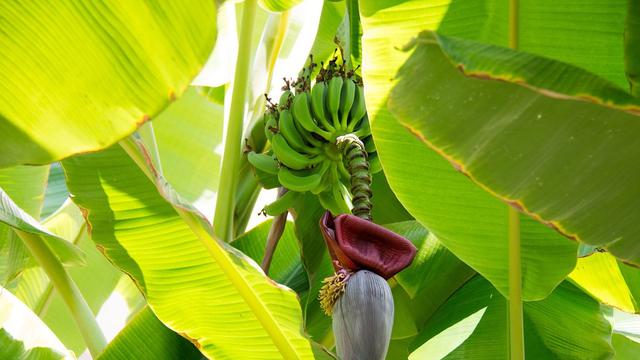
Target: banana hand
(289, 157)
(302, 115)
(299, 182)
(292, 135)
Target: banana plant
(303, 179)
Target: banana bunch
(303, 127)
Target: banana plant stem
(275, 233)
(516, 326)
(223, 220)
(516, 331)
(42, 305)
(62, 282)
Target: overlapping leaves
(144, 236)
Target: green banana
(308, 137)
(266, 180)
(302, 115)
(333, 99)
(333, 200)
(317, 105)
(282, 204)
(288, 129)
(364, 130)
(284, 101)
(329, 179)
(289, 157)
(263, 162)
(270, 125)
(346, 100)
(299, 181)
(358, 109)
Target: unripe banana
(333, 99)
(288, 156)
(302, 115)
(297, 181)
(270, 125)
(346, 101)
(364, 130)
(288, 129)
(333, 200)
(266, 180)
(363, 318)
(263, 162)
(358, 109)
(285, 100)
(318, 105)
(328, 180)
(282, 204)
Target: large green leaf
(145, 337)
(469, 221)
(626, 349)
(602, 276)
(523, 135)
(90, 73)
(324, 45)
(11, 348)
(233, 309)
(23, 335)
(566, 325)
(553, 28)
(187, 134)
(286, 267)
(317, 263)
(386, 208)
(434, 275)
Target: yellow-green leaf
(78, 76)
(600, 275)
(213, 295)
